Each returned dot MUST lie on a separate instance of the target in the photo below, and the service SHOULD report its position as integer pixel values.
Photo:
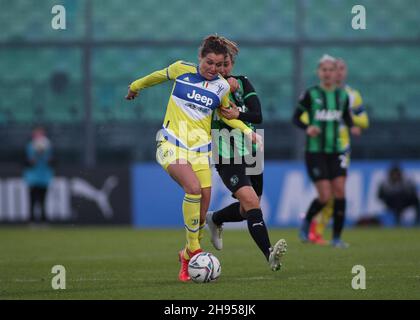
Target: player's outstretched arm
(152, 79)
(131, 94)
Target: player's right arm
(301, 115)
(359, 114)
(348, 119)
(154, 78)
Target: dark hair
(213, 44)
(395, 168)
(233, 49)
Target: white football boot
(276, 252)
(215, 231)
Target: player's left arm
(252, 102)
(348, 119)
(233, 123)
(359, 114)
(253, 107)
(238, 124)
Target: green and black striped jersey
(246, 99)
(326, 109)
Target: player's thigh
(203, 173)
(257, 182)
(337, 165)
(233, 176)
(324, 189)
(339, 187)
(204, 177)
(247, 198)
(316, 166)
(185, 176)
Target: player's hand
(356, 131)
(313, 131)
(230, 113)
(258, 140)
(234, 84)
(131, 94)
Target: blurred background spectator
(38, 173)
(399, 193)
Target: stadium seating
(137, 23)
(389, 18)
(31, 20)
(386, 76)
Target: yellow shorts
(168, 153)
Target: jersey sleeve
(252, 102)
(304, 103)
(234, 123)
(347, 114)
(360, 116)
(304, 117)
(169, 73)
(301, 115)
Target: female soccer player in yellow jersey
(184, 142)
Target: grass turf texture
(124, 263)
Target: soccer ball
(204, 267)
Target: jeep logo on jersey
(200, 98)
(328, 115)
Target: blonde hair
(327, 58)
(232, 48)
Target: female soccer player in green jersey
(327, 106)
(360, 119)
(232, 166)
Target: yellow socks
(191, 211)
(325, 217)
(201, 231)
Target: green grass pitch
(125, 263)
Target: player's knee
(193, 188)
(339, 193)
(253, 213)
(324, 198)
(249, 202)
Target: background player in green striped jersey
(360, 119)
(326, 105)
(245, 187)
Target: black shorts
(325, 166)
(234, 177)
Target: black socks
(314, 208)
(230, 213)
(258, 231)
(339, 217)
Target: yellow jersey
(191, 105)
(359, 116)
